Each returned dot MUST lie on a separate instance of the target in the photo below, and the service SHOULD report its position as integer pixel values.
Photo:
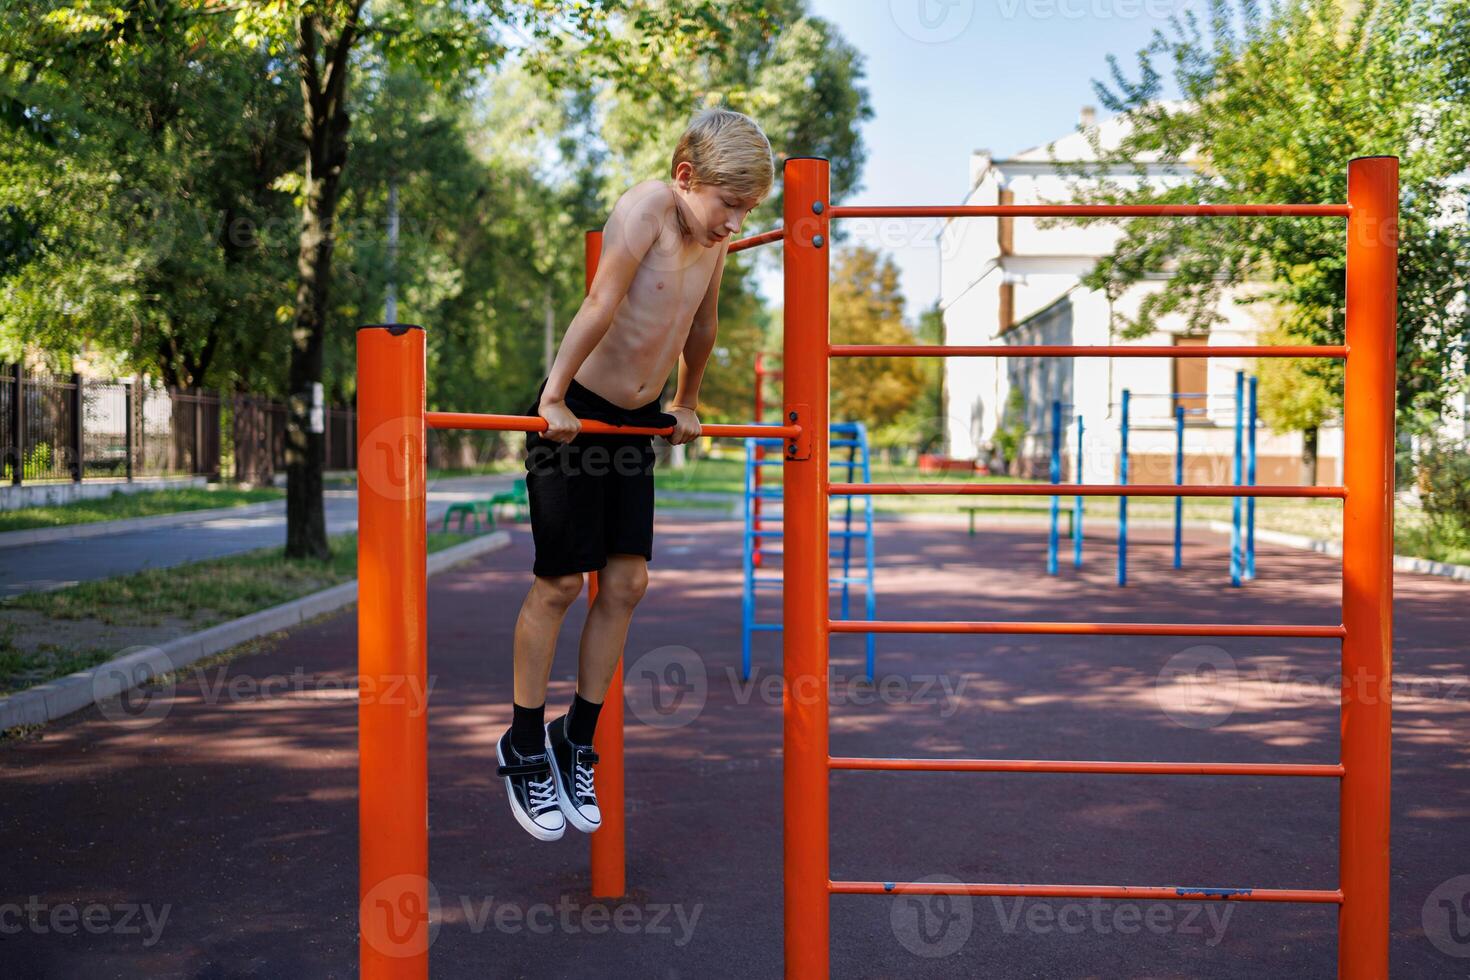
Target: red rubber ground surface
(234, 811)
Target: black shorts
(591, 497)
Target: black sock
(528, 729)
(582, 720)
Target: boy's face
(717, 213)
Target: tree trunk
(323, 89)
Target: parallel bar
(805, 840)
(1057, 765)
(1083, 350)
(1097, 211)
(774, 235)
(534, 423)
(1086, 629)
(1086, 490)
(1367, 568)
(392, 655)
(607, 855)
(1184, 893)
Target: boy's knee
(627, 586)
(559, 590)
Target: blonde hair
(727, 149)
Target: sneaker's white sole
(564, 799)
(530, 826)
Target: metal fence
(75, 429)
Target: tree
(1272, 109)
(445, 42)
(140, 167)
(866, 307)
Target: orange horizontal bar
(1053, 765)
(1083, 350)
(535, 423)
(1097, 211)
(1088, 891)
(1083, 629)
(1083, 490)
(774, 235)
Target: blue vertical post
(1123, 500)
(1235, 478)
(1077, 504)
(1056, 477)
(1179, 480)
(747, 596)
(871, 601)
(1250, 480)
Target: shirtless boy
(652, 303)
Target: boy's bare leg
(537, 628)
(619, 588)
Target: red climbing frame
(1367, 494)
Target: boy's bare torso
(633, 360)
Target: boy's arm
(700, 342)
(631, 230)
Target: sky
(945, 77)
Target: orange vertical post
(609, 858)
(392, 658)
(804, 594)
(1367, 564)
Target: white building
(1010, 281)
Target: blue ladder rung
(767, 627)
(844, 442)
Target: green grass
(212, 591)
(200, 594)
(118, 506)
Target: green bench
(475, 510)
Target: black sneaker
(572, 770)
(532, 791)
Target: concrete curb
(55, 699)
(1401, 563)
(44, 535)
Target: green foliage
(1444, 487)
(1010, 434)
(1273, 107)
(153, 174)
(866, 307)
